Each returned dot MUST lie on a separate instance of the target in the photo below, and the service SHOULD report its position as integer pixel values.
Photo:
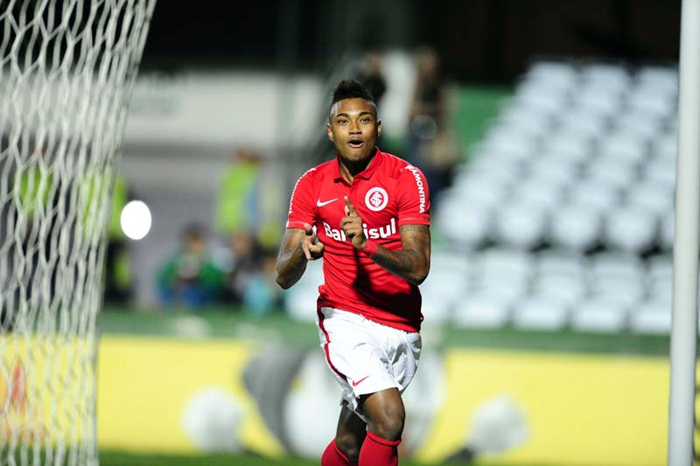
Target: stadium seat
(667, 229)
(640, 121)
(631, 229)
(465, 226)
(652, 318)
(554, 171)
(661, 171)
(567, 289)
(444, 285)
(522, 225)
(576, 227)
(624, 290)
(616, 264)
(539, 313)
(573, 143)
(540, 193)
(482, 310)
(618, 172)
(654, 197)
(300, 300)
(626, 146)
(659, 268)
(599, 315)
(561, 262)
(440, 299)
(595, 194)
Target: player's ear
(329, 130)
(379, 128)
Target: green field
(122, 459)
(235, 324)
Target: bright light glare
(136, 220)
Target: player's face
(354, 129)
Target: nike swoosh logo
(355, 384)
(321, 204)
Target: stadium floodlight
(684, 329)
(66, 73)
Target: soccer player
(366, 213)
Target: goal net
(66, 72)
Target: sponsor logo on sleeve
(420, 185)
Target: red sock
(377, 451)
(334, 457)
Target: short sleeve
(301, 205)
(413, 197)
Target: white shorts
(364, 356)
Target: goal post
(67, 68)
(684, 331)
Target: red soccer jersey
(389, 193)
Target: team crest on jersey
(376, 199)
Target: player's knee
(388, 423)
(349, 445)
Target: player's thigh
(351, 429)
(384, 406)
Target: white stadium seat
(561, 262)
(595, 194)
(614, 171)
(521, 225)
(652, 318)
(572, 143)
(464, 226)
(613, 265)
(600, 315)
(576, 227)
(553, 170)
(654, 197)
(538, 313)
(482, 310)
(538, 192)
(631, 229)
(566, 289)
(667, 229)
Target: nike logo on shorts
(321, 204)
(355, 384)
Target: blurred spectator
(242, 202)
(263, 295)
(432, 140)
(240, 265)
(118, 278)
(190, 277)
(237, 202)
(372, 75)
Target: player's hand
(312, 247)
(351, 225)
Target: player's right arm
(299, 244)
(297, 248)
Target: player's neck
(348, 169)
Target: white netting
(66, 73)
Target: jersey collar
(364, 174)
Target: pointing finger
(350, 209)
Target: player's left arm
(412, 261)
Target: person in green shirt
(190, 277)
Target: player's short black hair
(352, 89)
